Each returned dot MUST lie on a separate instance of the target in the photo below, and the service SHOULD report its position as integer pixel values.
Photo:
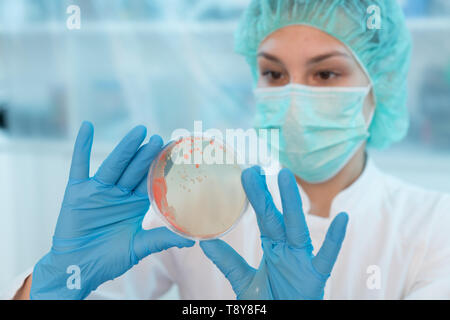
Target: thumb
(230, 263)
(155, 240)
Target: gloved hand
(288, 269)
(98, 235)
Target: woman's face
(305, 55)
(308, 56)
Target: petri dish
(194, 184)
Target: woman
(333, 86)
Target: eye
(326, 75)
(272, 75)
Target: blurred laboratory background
(164, 64)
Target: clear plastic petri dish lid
(194, 184)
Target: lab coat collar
(352, 197)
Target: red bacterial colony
(159, 189)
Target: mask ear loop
(370, 87)
(372, 105)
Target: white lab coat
(397, 246)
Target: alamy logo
(374, 280)
(74, 280)
(374, 20)
(247, 147)
(74, 20)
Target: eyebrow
(270, 57)
(326, 56)
(314, 60)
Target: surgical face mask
(321, 128)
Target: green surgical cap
(384, 53)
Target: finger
(270, 220)
(230, 263)
(138, 167)
(141, 189)
(79, 169)
(297, 233)
(113, 167)
(327, 255)
(155, 240)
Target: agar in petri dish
(195, 186)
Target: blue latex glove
(288, 269)
(99, 230)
